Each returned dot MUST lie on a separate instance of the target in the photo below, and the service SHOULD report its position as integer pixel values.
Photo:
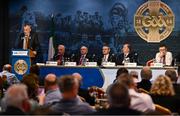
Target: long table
(96, 76)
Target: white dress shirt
(168, 58)
(141, 101)
(105, 58)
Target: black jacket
(133, 57)
(111, 58)
(33, 42)
(145, 84)
(78, 57)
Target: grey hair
(15, 95)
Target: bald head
(7, 67)
(50, 79)
(77, 76)
(146, 73)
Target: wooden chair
(162, 110)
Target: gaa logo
(154, 21)
(20, 67)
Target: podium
(21, 62)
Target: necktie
(60, 59)
(26, 43)
(105, 58)
(81, 60)
(163, 60)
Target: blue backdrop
(88, 22)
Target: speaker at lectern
(21, 62)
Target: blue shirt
(11, 78)
(52, 96)
(72, 107)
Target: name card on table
(157, 65)
(108, 64)
(91, 64)
(40, 64)
(51, 63)
(70, 64)
(130, 64)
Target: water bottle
(175, 62)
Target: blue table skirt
(92, 76)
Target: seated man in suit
(126, 56)
(163, 56)
(60, 56)
(83, 57)
(106, 56)
(29, 40)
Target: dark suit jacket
(132, 56)
(145, 84)
(170, 102)
(33, 42)
(111, 58)
(33, 45)
(78, 57)
(56, 57)
(177, 89)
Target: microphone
(93, 57)
(135, 57)
(56, 56)
(72, 57)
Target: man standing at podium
(29, 40)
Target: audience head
(78, 77)
(69, 86)
(121, 71)
(84, 50)
(146, 73)
(127, 80)
(61, 49)
(118, 95)
(16, 96)
(105, 50)
(134, 76)
(31, 82)
(162, 86)
(35, 69)
(50, 82)
(7, 67)
(171, 73)
(126, 48)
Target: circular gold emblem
(20, 67)
(154, 21)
